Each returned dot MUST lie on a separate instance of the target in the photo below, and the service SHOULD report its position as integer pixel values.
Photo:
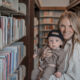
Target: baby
(52, 57)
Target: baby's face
(54, 42)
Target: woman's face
(66, 29)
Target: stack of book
(11, 29)
(19, 74)
(10, 59)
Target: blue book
(14, 76)
(14, 57)
(1, 68)
(5, 68)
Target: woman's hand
(58, 74)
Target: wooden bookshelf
(6, 11)
(37, 4)
(53, 8)
(74, 5)
(48, 20)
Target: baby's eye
(57, 40)
(51, 40)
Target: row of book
(19, 74)
(47, 27)
(14, 5)
(11, 29)
(44, 34)
(48, 21)
(50, 13)
(43, 42)
(10, 59)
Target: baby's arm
(60, 64)
(35, 55)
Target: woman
(69, 26)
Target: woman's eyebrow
(61, 25)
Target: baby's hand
(40, 69)
(58, 74)
(47, 52)
(35, 55)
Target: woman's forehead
(65, 21)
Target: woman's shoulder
(77, 45)
(76, 51)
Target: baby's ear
(61, 45)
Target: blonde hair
(75, 23)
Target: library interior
(24, 27)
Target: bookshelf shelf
(7, 10)
(46, 24)
(49, 17)
(12, 42)
(46, 30)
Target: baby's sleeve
(61, 61)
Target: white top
(73, 70)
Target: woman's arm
(73, 71)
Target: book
(22, 8)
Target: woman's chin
(67, 38)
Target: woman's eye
(62, 26)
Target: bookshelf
(36, 24)
(75, 7)
(48, 21)
(12, 40)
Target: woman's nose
(66, 28)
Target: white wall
(54, 3)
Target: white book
(22, 8)
(1, 67)
(1, 45)
(0, 2)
